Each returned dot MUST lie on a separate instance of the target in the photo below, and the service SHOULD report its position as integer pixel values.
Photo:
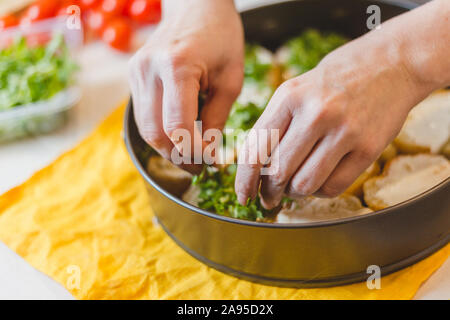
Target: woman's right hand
(198, 47)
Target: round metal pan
(313, 254)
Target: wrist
(424, 39)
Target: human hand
(333, 122)
(198, 47)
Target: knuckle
(138, 67)
(138, 61)
(286, 88)
(279, 179)
(254, 165)
(285, 95)
(326, 114)
(303, 188)
(368, 152)
(288, 85)
(153, 137)
(174, 59)
(351, 130)
(331, 190)
(173, 127)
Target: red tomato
(62, 11)
(145, 11)
(96, 20)
(115, 7)
(118, 34)
(8, 21)
(41, 9)
(87, 4)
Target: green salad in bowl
(36, 87)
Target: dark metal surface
(313, 254)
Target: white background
(104, 85)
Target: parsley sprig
(217, 194)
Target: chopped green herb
(244, 116)
(217, 194)
(254, 68)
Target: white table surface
(104, 85)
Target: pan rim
(404, 4)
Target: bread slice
(312, 209)
(427, 127)
(405, 177)
(168, 175)
(357, 186)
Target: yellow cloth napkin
(86, 221)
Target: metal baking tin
(310, 254)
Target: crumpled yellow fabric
(86, 221)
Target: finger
(318, 166)
(276, 116)
(348, 170)
(221, 96)
(180, 110)
(146, 93)
(286, 159)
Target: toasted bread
(405, 177)
(427, 127)
(168, 175)
(312, 209)
(357, 185)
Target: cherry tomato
(8, 21)
(115, 7)
(87, 4)
(97, 20)
(41, 9)
(144, 11)
(62, 11)
(118, 34)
